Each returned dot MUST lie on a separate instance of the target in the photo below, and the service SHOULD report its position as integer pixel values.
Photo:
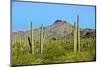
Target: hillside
(60, 29)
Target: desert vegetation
(46, 51)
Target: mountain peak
(59, 21)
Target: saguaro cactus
(78, 33)
(30, 38)
(44, 34)
(75, 37)
(41, 39)
(31, 41)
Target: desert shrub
(24, 59)
(54, 51)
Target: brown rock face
(59, 29)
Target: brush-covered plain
(54, 51)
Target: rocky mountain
(88, 33)
(60, 29)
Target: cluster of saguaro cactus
(77, 36)
(31, 40)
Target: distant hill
(88, 33)
(60, 29)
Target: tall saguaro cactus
(31, 32)
(31, 41)
(78, 33)
(75, 37)
(41, 39)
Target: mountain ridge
(60, 29)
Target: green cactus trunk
(33, 46)
(41, 39)
(78, 33)
(75, 37)
(31, 39)
(44, 34)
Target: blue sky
(42, 13)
